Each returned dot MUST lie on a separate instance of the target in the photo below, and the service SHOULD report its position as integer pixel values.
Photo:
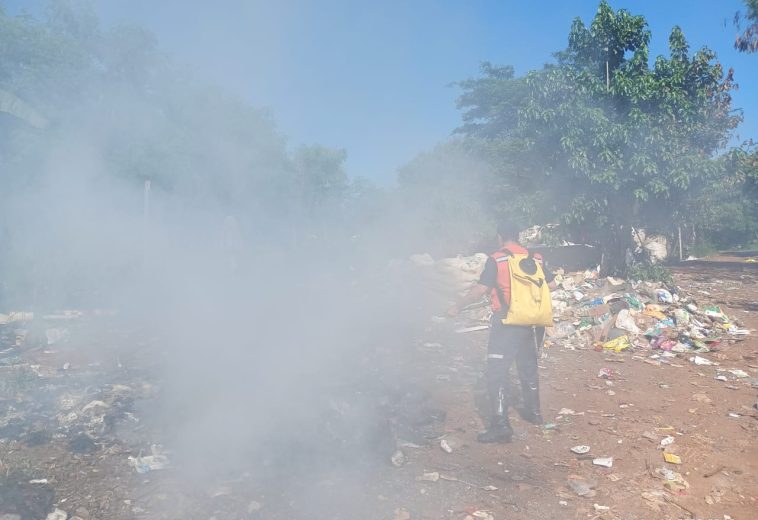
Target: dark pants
(509, 343)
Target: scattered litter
(569, 411)
(402, 514)
(398, 458)
(433, 476)
(625, 321)
(606, 373)
(38, 481)
(581, 449)
(57, 514)
(738, 373)
(606, 462)
(472, 329)
(148, 463)
(666, 441)
(55, 335)
(600, 509)
(698, 360)
(671, 458)
(581, 486)
(445, 446)
(618, 344)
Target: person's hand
(453, 311)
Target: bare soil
(714, 425)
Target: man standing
(511, 342)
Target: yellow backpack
(530, 294)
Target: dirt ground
(713, 423)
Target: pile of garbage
(449, 277)
(611, 314)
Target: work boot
(499, 431)
(530, 412)
(530, 416)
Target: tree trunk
(615, 246)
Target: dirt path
(624, 418)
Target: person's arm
(475, 294)
(549, 276)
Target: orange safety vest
(503, 273)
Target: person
(507, 343)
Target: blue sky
(375, 77)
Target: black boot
(531, 410)
(500, 429)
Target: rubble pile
(449, 277)
(658, 320)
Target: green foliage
(650, 273)
(747, 40)
(703, 248)
(115, 92)
(727, 210)
(607, 140)
(118, 113)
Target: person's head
(507, 232)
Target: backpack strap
(499, 290)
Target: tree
(601, 140)
(747, 40)
(95, 112)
